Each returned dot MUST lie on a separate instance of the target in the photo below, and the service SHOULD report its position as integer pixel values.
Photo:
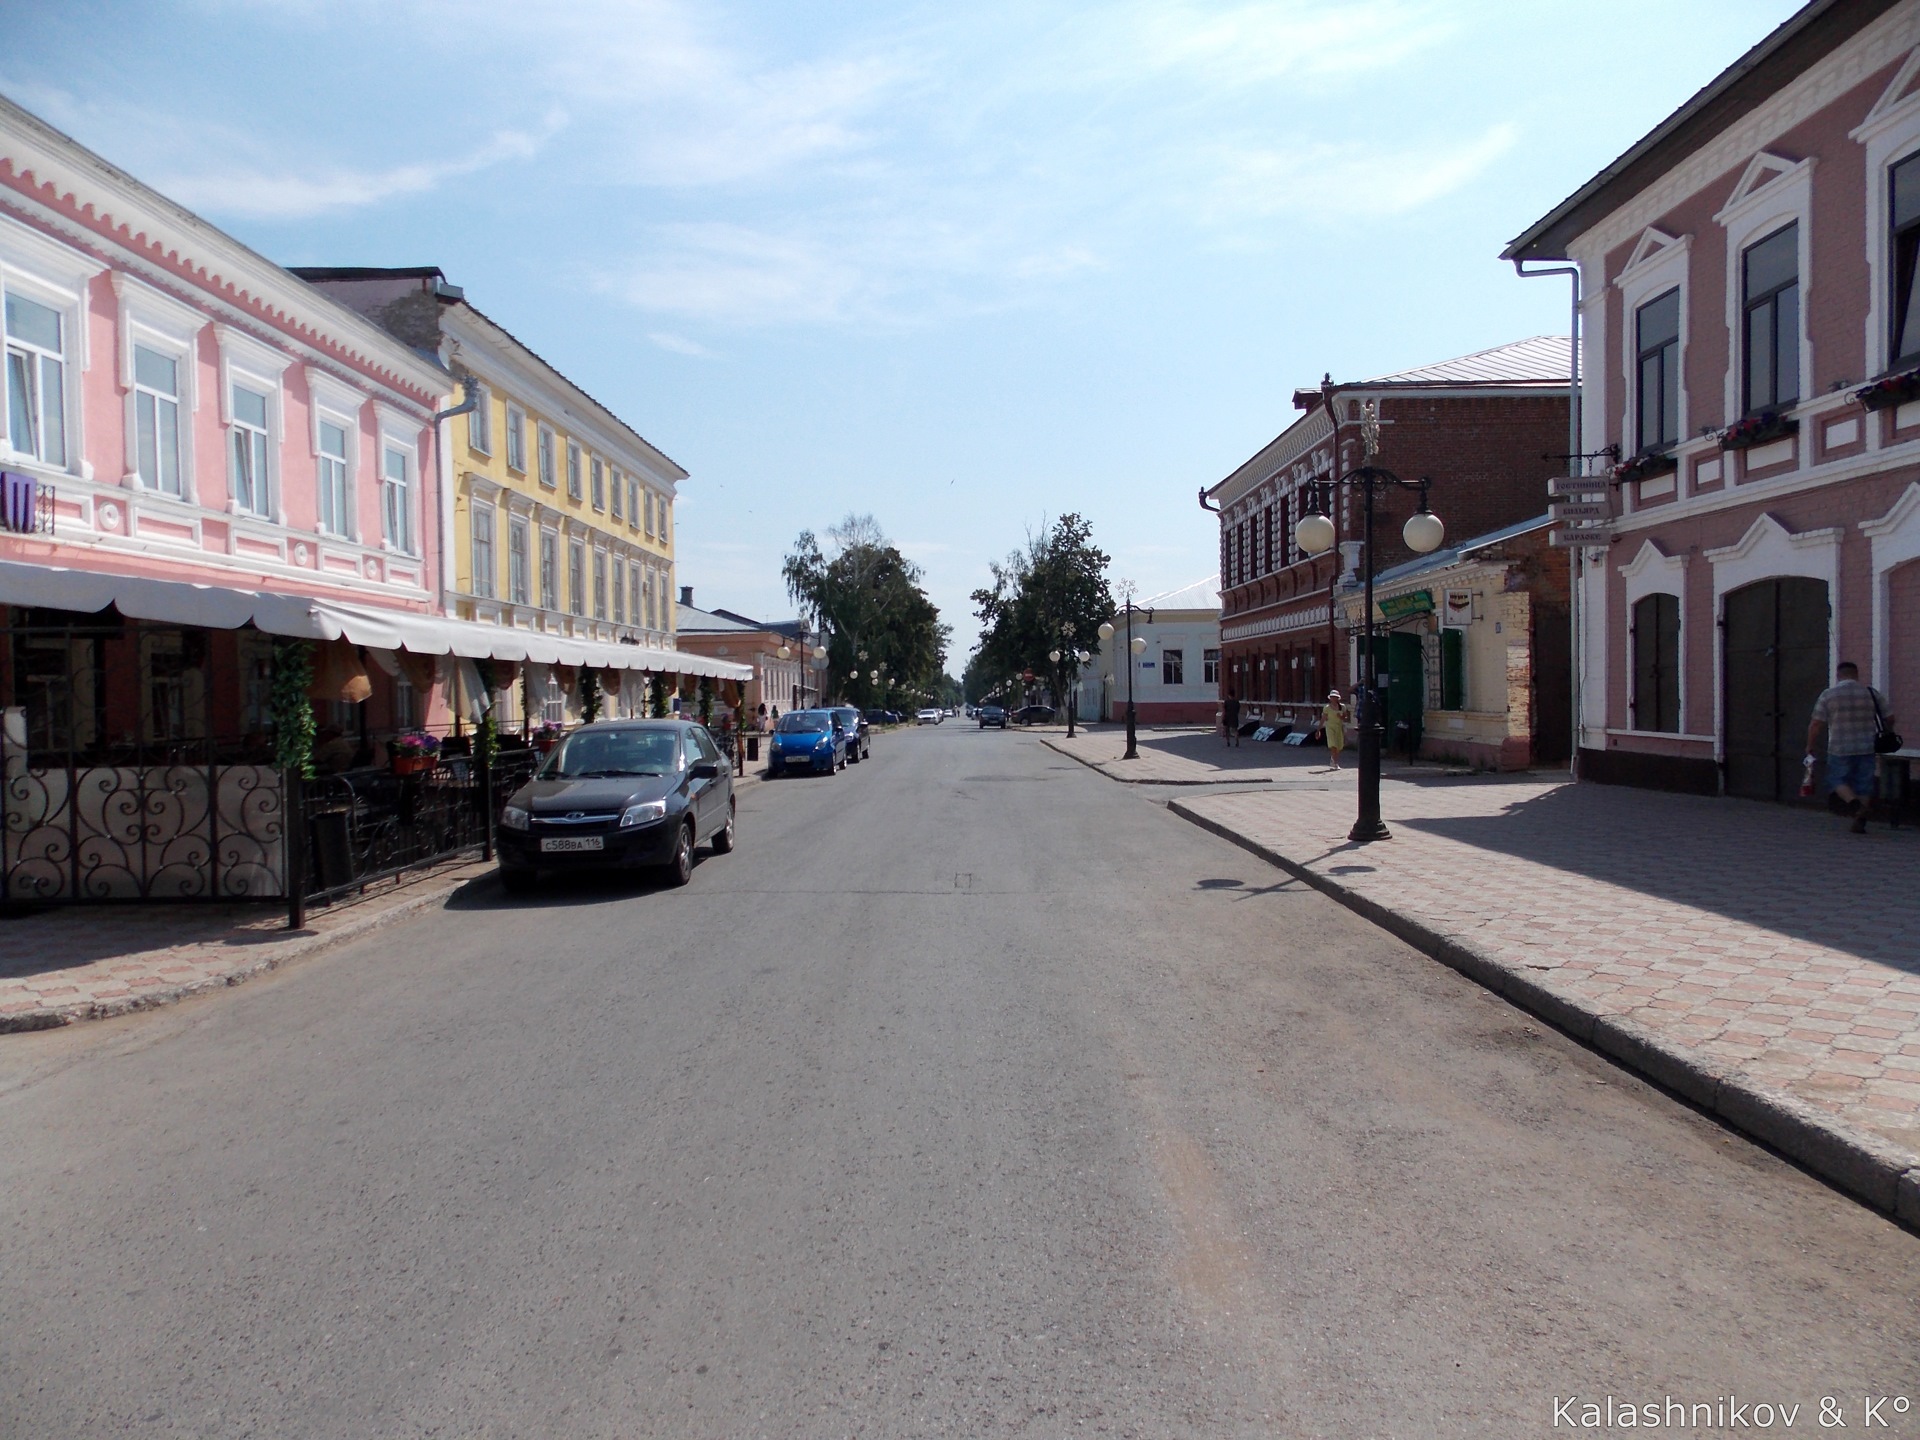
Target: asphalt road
(974, 1095)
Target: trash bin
(753, 747)
(330, 844)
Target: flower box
(1761, 429)
(406, 763)
(1890, 391)
(1645, 467)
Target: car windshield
(805, 723)
(848, 718)
(589, 754)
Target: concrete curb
(1101, 769)
(1881, 1175)
(300, 947)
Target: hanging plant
(486, 738)
(589, 695)
(292, 710)
(706, 700)
(657, 697)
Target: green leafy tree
(871, 608)
(1050, 595)
(291, 708)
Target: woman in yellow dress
(1333, 716)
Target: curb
(1878, 1174)
(1101, 769)
(432, 893)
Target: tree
(867, 600)
(1051, 595)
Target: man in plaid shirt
(1847, 712)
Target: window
(649, 514)
(36, 380)
(618, 507)
(483, 571)
(247, 468)
(478, 428)
(518, 588)
(1770, 282)
(1905, 179)
(633, 502)
(516, 440)
(577, 577)
(406, 704)
(665, 522)
(549, 570)
(1173, 668)
(648, 592)
(1657, 338)
(1210, 666)
(573, 470)
(633, 593)
(156, 419)
(546, 458)
(1655, 634)
(619, 592)
(396, 498)
(1453, 669)
(332, 471)
(599, 584)
(599, 484)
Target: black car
(1034, 715)
(620, 795)
(859, 732)
(991, 715)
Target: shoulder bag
(1886, 739)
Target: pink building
(1752, 348)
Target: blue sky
(966, 267)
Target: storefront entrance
(1776, 667)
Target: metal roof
(1537, 360)
(689, 621)
(1454, 554)
(1201, 595)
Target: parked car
(882, 717)
(619, 795)
(807, 740)
(991, 715)
(1034, 715)
(929, 716)
(859, 732)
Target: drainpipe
(1576, 555)
(470, 401)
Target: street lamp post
(1423, 533)
(1135, 647)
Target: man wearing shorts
(1851, 714)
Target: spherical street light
(1054, 656)
(1315, 534)
(785, 652)
(1139, 644)
(1423, 533)
(1106, 630)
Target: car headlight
(643, 813)
(514, 818)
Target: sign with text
(1398, 607)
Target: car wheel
(680, 867)
(723, 837)
(518, 882)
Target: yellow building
(557, 516)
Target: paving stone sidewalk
(1192, 756)
(1758, 959)
(88, 963)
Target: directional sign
(1577, 536)
(1581, 510)
(1570, 486)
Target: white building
(1176, 676)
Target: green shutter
(1453, 670)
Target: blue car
(811, 741)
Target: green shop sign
(1398, 607)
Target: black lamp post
(1423, 534)
(1134, 648)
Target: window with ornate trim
(516, 440)
(633, 502)
(547, 477)
(1770, 303)
(396, 498)
(156, 419)
(618, 494)
(577, 576)
(330, 465)
(518, 588)
(1655, 636)
(599, 474)
(481, 524)
(250, 449)
(573, 470)
(549, 570)
(1657, 366)
(599, 584)
(479, 424)
(633, 593)
(36, 336)
(619, 592)
(1903, 185)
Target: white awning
(181, 602)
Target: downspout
(470, 391)
(1576, 555)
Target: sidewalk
(1757, 959)
(1190, 755)
(90, 962)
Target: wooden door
(1776, 665)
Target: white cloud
(679, 344)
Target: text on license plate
(572, 842)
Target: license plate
(574, 842)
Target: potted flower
(1890, 391)
(546, 736)
(414, 751)
(1645, 466)
(1758, 429)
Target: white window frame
(547, 578)
(480, 423)
(633, 502)
(1661, 267)
(169, 327)
(245, 361)
(544, 443)
(597, 481)
(664, 523)
(574, 480)
(616, 493)
(53, 274)
(516, 440)
(576, 576)
(633, 595)
(1889, 134)
(335, 403)
(399, 432)
(617, 585)
(1756, 214)
(483, 533)
(650, 499)
(519, 560)
(600, 567)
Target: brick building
(1751, 342)
(1480, 427)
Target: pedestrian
(1333, 719)
(1230, 717)
(1852, 715)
